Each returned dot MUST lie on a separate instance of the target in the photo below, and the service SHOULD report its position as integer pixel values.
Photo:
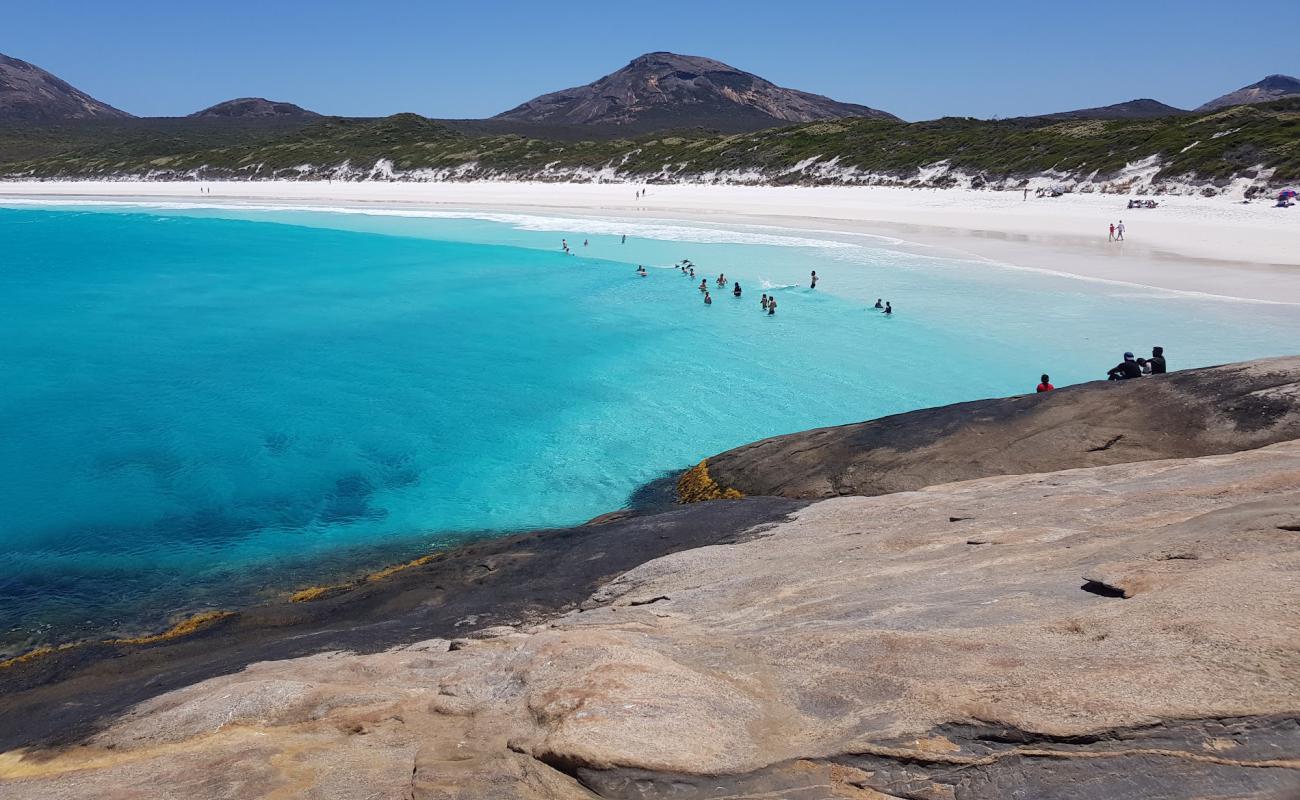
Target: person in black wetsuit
(1128, 368)
(889, 310)
(813, 285)
(1157, 361)
(879, 304)
(735, 290)
(708, 301)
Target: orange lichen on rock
(32, 655)
(185, 627)
(696, 485)
(312, 593)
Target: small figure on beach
(1119, 231)
(1128, 368)
(1112, 233)
(1026, 193)
(771, 306)
(1045, 384)
(879, 304)
(813, 285)
(764, 301)
(708, 301)
(889, 309)
(735, 290)
(1157, 361)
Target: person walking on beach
(1026, 193)
(1112, 233)
(1045, 384)
(1119, 231)
(814, 280)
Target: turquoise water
(202, 407)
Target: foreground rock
(1122, 631)
(1187, 413)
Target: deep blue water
(203, 407)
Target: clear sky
(474, 58)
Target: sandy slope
(1212, 245)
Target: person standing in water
(764, 301)
(888, 308)
(735, 290)
(624, 239)
(878, 303)
(814, 280)
(704, 286)
(640, 270)
(722, 280)
(708, 301)
(771, 306)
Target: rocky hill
(667, 90)
(1127, 630)
(1186, 413)
(30, 94)
(250, 107)
(1274, 87)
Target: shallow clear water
(203, 406)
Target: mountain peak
(661, 90)
(1272, 87)
(248, 107)
(30, 94)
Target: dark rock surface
(30, 94)
(667, 90)
(1182, 414)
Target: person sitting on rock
(1045, 385)
(1157, 361)
(1144, 366)
(1128, 368)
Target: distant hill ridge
(1143, 108)
(30, 94)
(668, 90)
(1274, 87)
(247, 107)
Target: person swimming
(735, 290)
(888, 309)
(771, 306)
(764, 301)
(708, 301)
(878, 303)
(814, 280)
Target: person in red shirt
(1046, 385)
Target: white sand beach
(1218, 246)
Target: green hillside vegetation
(1213, 147)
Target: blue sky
(473, 58)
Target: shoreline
(1202, 246)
